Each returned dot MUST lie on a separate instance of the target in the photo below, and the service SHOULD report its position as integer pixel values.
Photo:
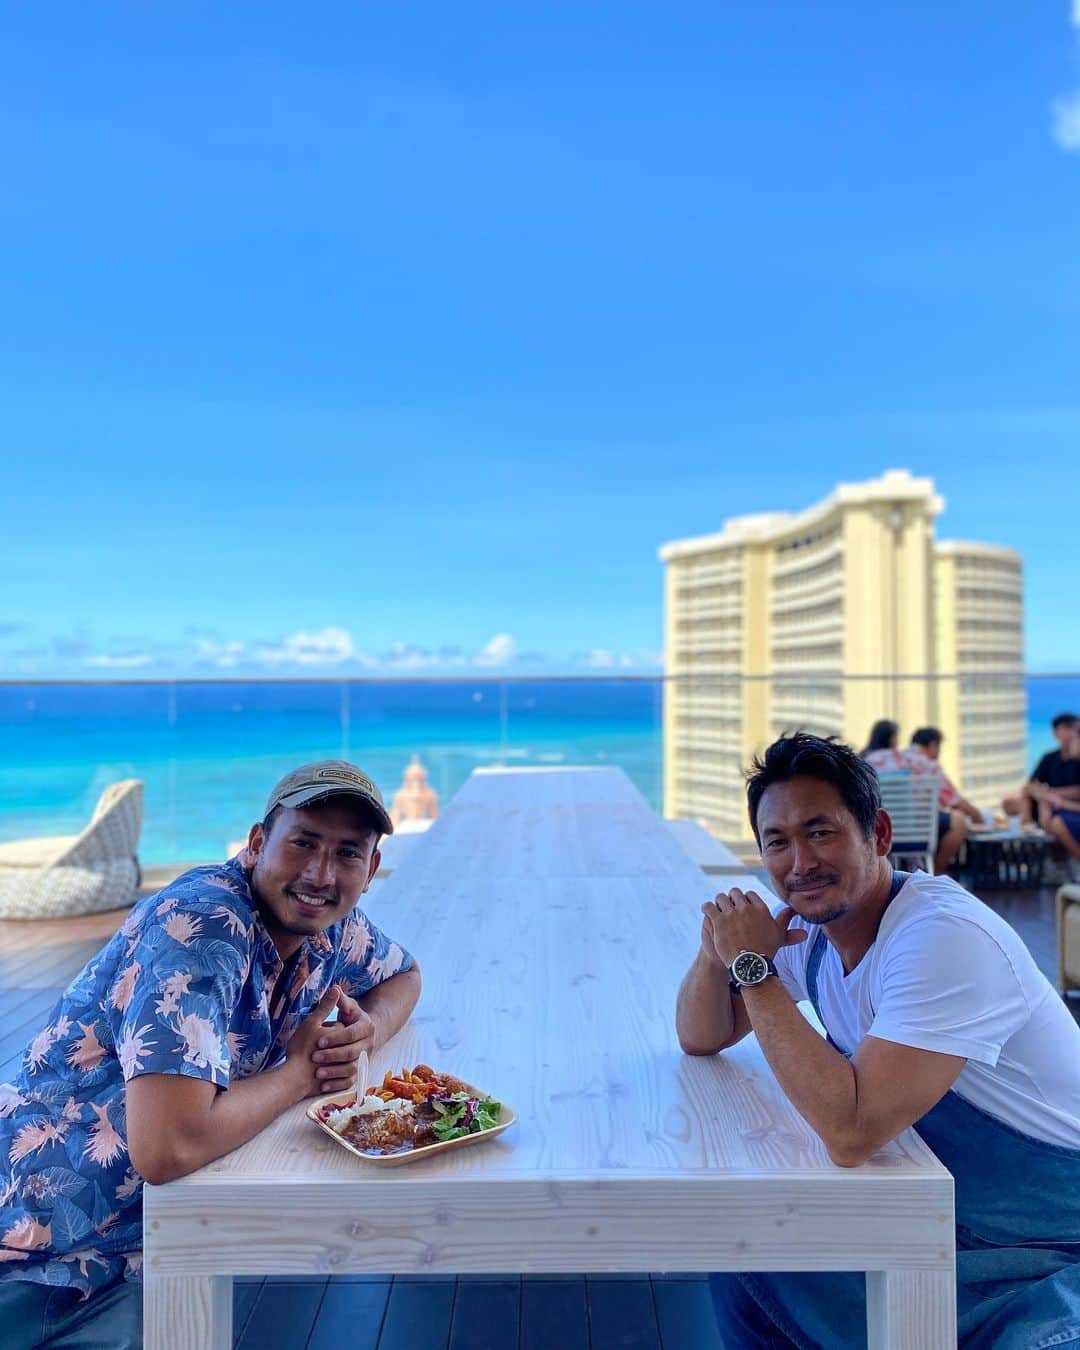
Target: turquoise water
(209, 753)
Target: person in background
(955, 812)
(200, 1022)
(937, 1018)
(1054, 780)
(416, 800)
(1059, 808)
(884, 735)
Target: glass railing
(208, 752)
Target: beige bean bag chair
(60, 875)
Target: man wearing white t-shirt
(937, 1018)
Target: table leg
(183, 1312)
(911, 1309)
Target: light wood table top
(553, 917)
(707, 851)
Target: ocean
(209, 753)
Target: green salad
(458, 1114)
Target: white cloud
(1067, 122)
(333, 647)
(328, 651)
(407, 656)
(602, 659)
(121, 662)
(500, 651)
(329, 646)
(1067, 109)
(225, 655)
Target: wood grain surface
(708, 852)
(554, 916)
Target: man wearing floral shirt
(223, 980)
(955, 813)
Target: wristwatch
(749, 968)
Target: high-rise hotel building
(827, 620)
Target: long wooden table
(553, 917)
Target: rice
(339, 1119)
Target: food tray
(507, 1117)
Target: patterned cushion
(55, 877)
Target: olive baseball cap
(329, 778)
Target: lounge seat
(37, 852)
(911, 801)
(54, 876)
(1068, 927)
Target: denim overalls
(1017, 1241)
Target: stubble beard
(272, 920)
(842, 908)
(839, 909)
(837, 912)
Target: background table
(553, 917)
(1003, 860)
(704, 848)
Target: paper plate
(507, 1117)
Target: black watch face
(749, 968)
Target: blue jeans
(750, 1318)
(742, 1322)
(59, 1318)
(1071, 819)
(828, 1312)
(1017, 1240)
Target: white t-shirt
(946, 973)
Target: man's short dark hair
(926, 737)
(1064, 720)
(268, 820)
(801, 755)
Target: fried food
(411, 1109)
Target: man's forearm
(704, 1020)
(817, 1080)
(968, 809)
(234, 1117)
(389, 1004)
(250, 1105)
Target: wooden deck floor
(574, 1312)
(474, 1313)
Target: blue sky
(376, 337)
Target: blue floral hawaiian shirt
(183, 987)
